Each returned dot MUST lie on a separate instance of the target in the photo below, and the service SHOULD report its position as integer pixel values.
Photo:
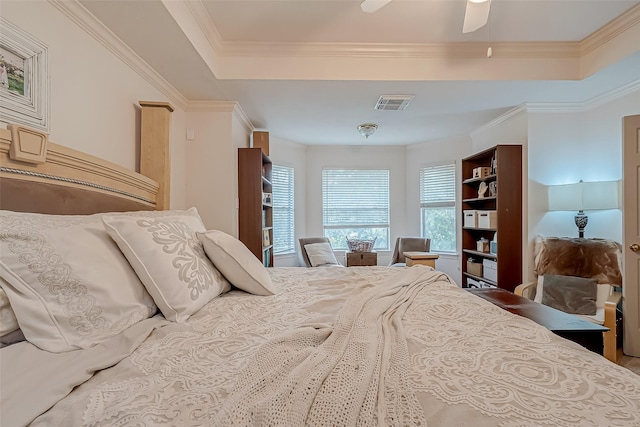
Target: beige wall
(210, 169)
(93, 94)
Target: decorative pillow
(600, 259)
(8, 321)
(320, 254)
(570, 294)
(68, 283)
(236, 262)
(169, 259)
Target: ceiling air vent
(393, 102)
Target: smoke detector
(393, 102)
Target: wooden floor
(631, 363)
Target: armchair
(579, 273)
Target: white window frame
(359, 184)
(443, 197)
(283, 202)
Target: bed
(114, 337)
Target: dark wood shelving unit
(508, 206)
(255, 215)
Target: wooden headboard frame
(39, 176)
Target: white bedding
(465, 362)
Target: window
(355, 205)
(283, 210)
(438, 206)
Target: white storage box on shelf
(481, 172)
(490, 270)
(487, 219)
(470, 218)
(472, 283)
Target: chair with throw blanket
(317, 252)
(582, 277)
(408, 244)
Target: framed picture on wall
(24, 78)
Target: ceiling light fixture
(367, 129)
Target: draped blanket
(353, 372)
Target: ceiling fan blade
(371, 6)
(476, 15)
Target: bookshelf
(492, 210)
(255, 205)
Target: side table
(421, 258)
(358, 259)
(566, 325)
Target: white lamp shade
(600, 195)
(584, 196)
(566, 197)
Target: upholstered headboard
(37, 175)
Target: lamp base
(581, 222)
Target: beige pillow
(169, 259)
(320, 254)
(604, 291)
(576, 295)
(68, 283)
(236, 262)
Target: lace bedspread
(465, 361)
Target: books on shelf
(267, 258)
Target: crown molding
(403, 50)
(600, 37)
(92, 26)
(611, 31)
(515, 111)
(589, 104)
(211, 106)
(560, 107)
(201, 16)
(242, 117)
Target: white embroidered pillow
(236, 262)
(169, 259)
(68, 283)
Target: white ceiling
(310, 71)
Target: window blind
(355, 198)
(355, 205)
(438, 186)
(283, 209)
(438, 206)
